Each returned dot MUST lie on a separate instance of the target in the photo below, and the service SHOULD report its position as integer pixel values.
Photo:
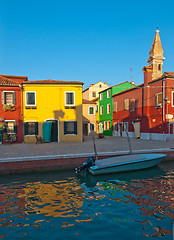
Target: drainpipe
(163, 105)
(22, 110)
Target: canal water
(63, 205)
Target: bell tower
(156, 58)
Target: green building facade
(106, 107)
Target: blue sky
(82, 40)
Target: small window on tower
(159, 67)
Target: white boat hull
(126, 163)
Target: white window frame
(73, 98)
(108, 93)
(108, 112)
(4, 97)
(89, 110)
(27, 129)
(126, 104)
(101, 110)
(11, 121)
(101, 96)
(172, 99)
(26, 98)
(108, 123)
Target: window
(132, 105)
(108, 108)
(108, 125)
(69, 98)
(125, 126)
(101, 110)
(115, 126)
(158, 100)
(100, 85)
(94, 94)
(96, 108)
(101, 96)
(108, 94)
(91, 110)
(30, 98)
(126, 104)
(8, 98)
(159, 67)
(115, 107)
(91, 127)
(70, 127)
(10, 126)
(173, 99)
(105, 125)
(31, 128)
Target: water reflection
(54, 199)
(144, 197)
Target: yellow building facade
(52, 111)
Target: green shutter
(65, 128)
(15, 127)
(14, 98)
(75, 127)
(25, 128)
(36, 128)
(5, 127)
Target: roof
(7, 82)
(129, 89)
(93, 85)
(17, 79)
(116, 86)
(85, 101)
(165, 75)
(50, 81)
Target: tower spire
(156, 58)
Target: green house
(106, 107)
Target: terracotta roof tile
(85, 101)
(50, 81)
(7, 82)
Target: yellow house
(52, 110)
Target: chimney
(147, 75)
(147, 79)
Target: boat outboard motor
(89, 162)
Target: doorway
(51, 130)
(120, 129)
(137, 129)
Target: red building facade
(147, 110)
(11, 108)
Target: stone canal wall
(50, 163)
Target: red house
(147, 110)
(11, 108)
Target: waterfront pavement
(105, 146)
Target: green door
(46, 131)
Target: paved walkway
(105, 145)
